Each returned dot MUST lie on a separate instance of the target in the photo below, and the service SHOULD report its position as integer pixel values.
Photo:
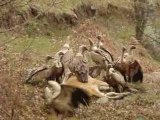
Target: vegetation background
(32, 29)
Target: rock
(102, 100)
(104, 88)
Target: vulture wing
(68, 56)
(94, 71)
(35, 72)
(97, 58)
(104, 55)
(102, 48)
(90, 42)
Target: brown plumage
(100, 56)
(53, 72)
(129, 67)
(78, 66)
(94, 71)
(116, 80)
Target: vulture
(99, 50)
(116, 80)
(53, 72)
(78, 66)
(107, 54)
(129, 67)
(100, 56)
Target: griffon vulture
(116, 80)
(53, 72)
(78, 66)
(100, 56)
(129, 67)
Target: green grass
(118, 28)
(67, 5)
(37, 42)
(33, 48)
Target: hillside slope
(21, 51)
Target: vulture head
(81, 70)
(82, 49)
(93, 46)
(99, 41)
(80, 65)
(127, 55)
(66, 46)
(64, 49)
(48, 57)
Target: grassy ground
(67, 5)
(19, 52)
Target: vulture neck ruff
(79, 55)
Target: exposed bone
(117, 96)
